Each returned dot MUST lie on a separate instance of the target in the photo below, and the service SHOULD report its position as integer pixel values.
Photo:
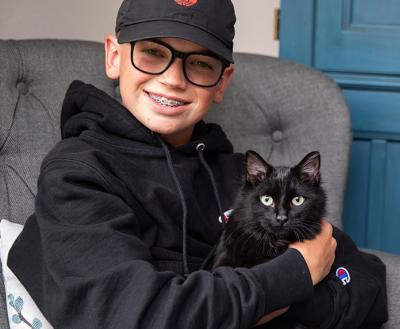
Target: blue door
(357, 42)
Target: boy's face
(140, 91)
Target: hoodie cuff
(314, 312)
(286, 280)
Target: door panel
(357, 43)
(355, 210)
(374, 113)
(358, 36)
(372, 12)
(391, 221)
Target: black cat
(275, 207)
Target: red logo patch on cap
(186, 3)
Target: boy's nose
(174, 76)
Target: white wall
(254, 26)
(93, 19)
(71, 19)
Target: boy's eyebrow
(201, 51)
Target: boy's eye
(203, 65)
(266, 200)
(153, 52)
(203, 62)
(298, 200)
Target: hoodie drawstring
(200, 148)
(182, 201)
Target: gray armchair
(278, 108)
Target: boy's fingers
(326, 226)
(319, 253)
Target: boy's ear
(112, 57)
(223, 84)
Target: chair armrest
(392, 263)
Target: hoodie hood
(87, 108)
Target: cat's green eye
(298, 200)
(267, 200)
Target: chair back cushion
(284, 110)
(34, 76)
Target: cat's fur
(257, 231)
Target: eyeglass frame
(182, 55)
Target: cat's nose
(281, 219)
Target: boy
(126, 214)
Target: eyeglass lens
(154, 58)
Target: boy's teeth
(165, 101)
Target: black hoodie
(124, 225)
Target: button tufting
(277, 136)
(22, 88)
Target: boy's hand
(319, 253)
(271, 316)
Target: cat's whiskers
(308, 231)
(297, 235)
(265, 242)
(250, 237)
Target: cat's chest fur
(275, 207)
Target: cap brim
(174, 29)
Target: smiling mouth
(166, 101)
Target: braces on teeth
(165, 101)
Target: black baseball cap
(209, 23)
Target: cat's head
(287, 201)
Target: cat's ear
(257, 168)
(309, 167)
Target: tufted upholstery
(34, 76)
(285, 110)
(280, 109)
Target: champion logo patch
(344, 275)
(186, 3)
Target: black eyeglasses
(155, 57)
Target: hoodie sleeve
(353, 295)
(81, 258)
